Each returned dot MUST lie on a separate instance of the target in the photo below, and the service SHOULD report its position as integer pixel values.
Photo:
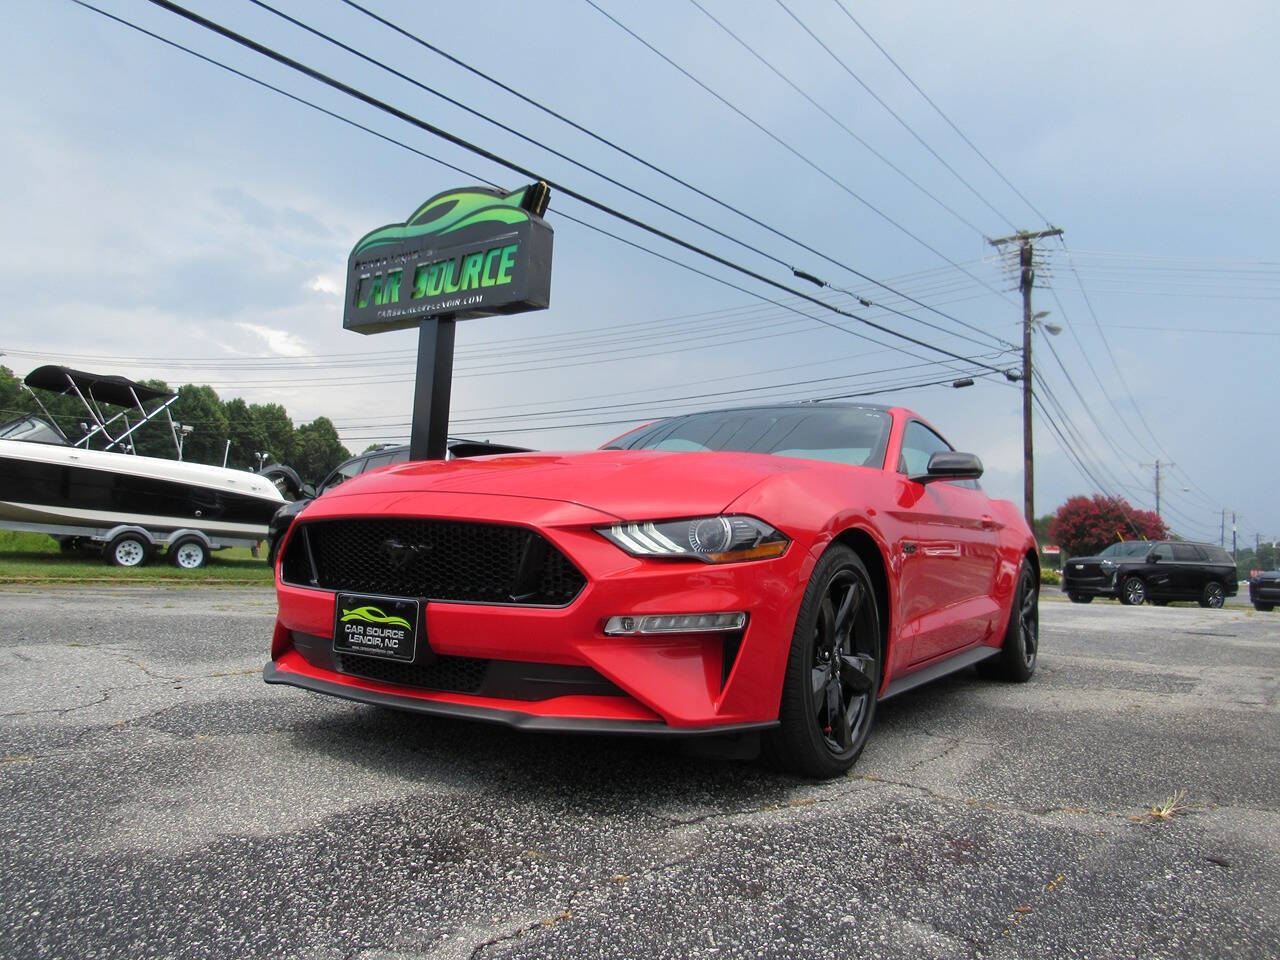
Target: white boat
(132, 504)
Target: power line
(783, 143)
(834, 119)
(458, 141)
(665, 173)
(893, 113)
(938, 110)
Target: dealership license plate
(374, 626)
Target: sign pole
(429, 435)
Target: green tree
(277, 431)
(247, 435)
(318, 450)
(200, 408)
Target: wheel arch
(870, 553)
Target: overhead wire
(661, 171)
(937, 109)
(836, 120)
(483, 152)
(783, 143)
(893, 113)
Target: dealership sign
(472, 252)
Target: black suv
(1264, 590)
(1136, 571)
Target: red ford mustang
(776, 569)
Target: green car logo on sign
(372, 614)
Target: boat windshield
(32, 430)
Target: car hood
(629, 484)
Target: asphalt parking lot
(160, 800)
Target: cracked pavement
(159, 800)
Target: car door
(1160, 572)
(950, 556)
(1191, 570)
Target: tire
(1016, 662)
(189, 553)
(833, 673)
(1214, 596)
(1133, 592)
(1263, 607)
(1080, 598)
(127, 550)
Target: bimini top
(105, 389)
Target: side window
(919, 443)
(1186, 553)
(400, 456)
(381, 460)
(1163, 552)
(344, 473)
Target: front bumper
(1267, 591)
(688, 684)
(1092, 584)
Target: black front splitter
(510, 718)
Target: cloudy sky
(166, 218)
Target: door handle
(988, 522)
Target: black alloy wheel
(1214, 596)
(1080, 598)
(833, 671)
(1133, 592)
(1016, 661)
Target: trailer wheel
(189, 553)
(127, 550)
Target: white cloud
(326, 283)
(283, 342)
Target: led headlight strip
(719, 539)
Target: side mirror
(308, 492)
(1153, 557)
(949, 465)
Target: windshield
(856, 436)
(1130, 548)
(33, 430)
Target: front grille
(451, 674)
(436, 559)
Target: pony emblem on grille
(400, 555)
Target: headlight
(710, 539)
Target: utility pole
(1169, 463)
(1233, 534)
(1026, 280)
(1222, 537)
